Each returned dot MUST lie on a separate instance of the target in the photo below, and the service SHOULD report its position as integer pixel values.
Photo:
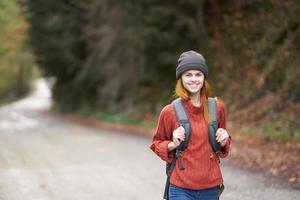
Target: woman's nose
(193, 78)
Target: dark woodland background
(119, 57)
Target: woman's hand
(178, 137)
(222, 136)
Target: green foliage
(278, 130)
(257, 52)
(57, 39)
(16, 61)
(120, 56)
(113, 50)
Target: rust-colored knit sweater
(201, 170)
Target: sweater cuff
(163, 152)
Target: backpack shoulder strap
(212, 109)
(213, 125)
(183, 121)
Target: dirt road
(46, 157)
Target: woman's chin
(194, 91)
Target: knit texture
(201, 171)
(191, 60)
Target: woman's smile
(193, 80)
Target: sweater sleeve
(222, 124)
(163, 134)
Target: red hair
(180, 91)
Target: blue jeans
(178, 193)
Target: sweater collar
(192, 108)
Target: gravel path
(44, 156)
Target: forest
(118, 58)
(16, 59)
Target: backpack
(184, 121)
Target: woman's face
(192, 81)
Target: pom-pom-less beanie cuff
(191, 60)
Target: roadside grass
(126, 120)
(275, 130)
(120, 119)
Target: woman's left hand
(222, 136)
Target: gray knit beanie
(191, 60)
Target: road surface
(44, 156)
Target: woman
(199, 176)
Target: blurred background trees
(113, 55)
(16, 61)
(257, 44)
(120, 56)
